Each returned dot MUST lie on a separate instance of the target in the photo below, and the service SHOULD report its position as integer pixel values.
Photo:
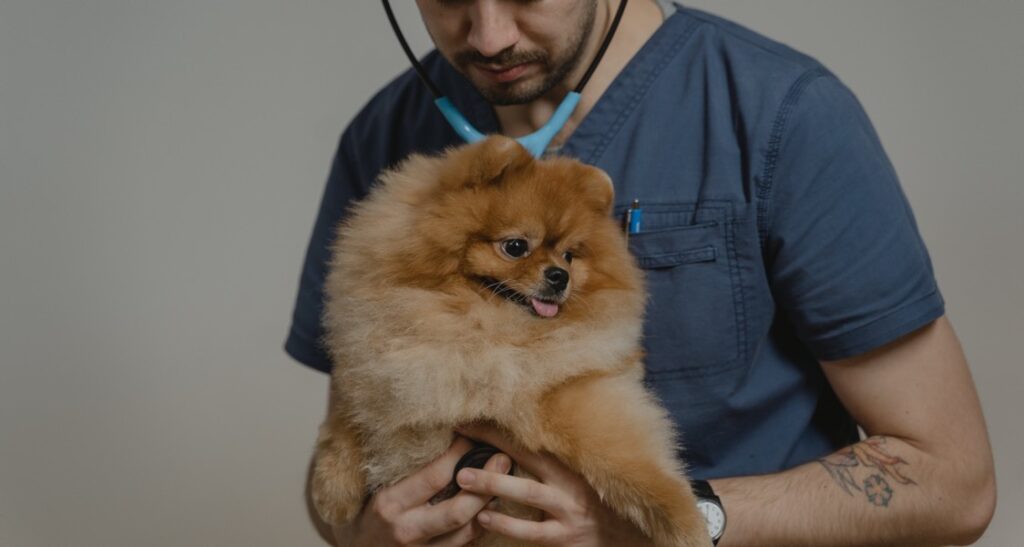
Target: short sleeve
(845, 260)
(345, 184)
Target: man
(792, 297)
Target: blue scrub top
(775, 232)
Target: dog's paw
(336, 498)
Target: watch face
(714, 516)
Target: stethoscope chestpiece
(475, 458)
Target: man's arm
(923, 477)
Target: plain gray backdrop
(161, 164)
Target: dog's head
(537, 233)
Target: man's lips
(502, 74)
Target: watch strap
(702, 489)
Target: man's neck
(639, 21)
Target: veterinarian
(791, 295)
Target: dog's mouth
(541, 306)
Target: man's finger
(431, 521)
(419, 487)
(542, 533)
(459, 537)
(534, 464)
(523, 491)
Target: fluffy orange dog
(486, 285)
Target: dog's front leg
(338, 484)
(613, 432)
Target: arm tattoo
(867, 468)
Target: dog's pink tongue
(544, 309)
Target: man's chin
(521, 91)
(509, 94)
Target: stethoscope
(536, 142)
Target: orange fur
(421, 344)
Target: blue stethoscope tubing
(536, 142)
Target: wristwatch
(710, 506)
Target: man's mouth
(502, 74)
(541, 306)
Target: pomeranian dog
(486, 285)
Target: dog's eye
(515, 248)
(567, 256)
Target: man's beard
(554, 71)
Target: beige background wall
(161, 163)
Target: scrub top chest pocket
(691, 328)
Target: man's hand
(576, 517)
(401, 515)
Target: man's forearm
(881, 491)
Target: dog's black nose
(557, 278)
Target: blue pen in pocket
(634, 216)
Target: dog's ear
(484, 162)
(598, 191)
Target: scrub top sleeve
(845, 260)
(345, 184)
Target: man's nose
(493, 27)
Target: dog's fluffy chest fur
(415, 363)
